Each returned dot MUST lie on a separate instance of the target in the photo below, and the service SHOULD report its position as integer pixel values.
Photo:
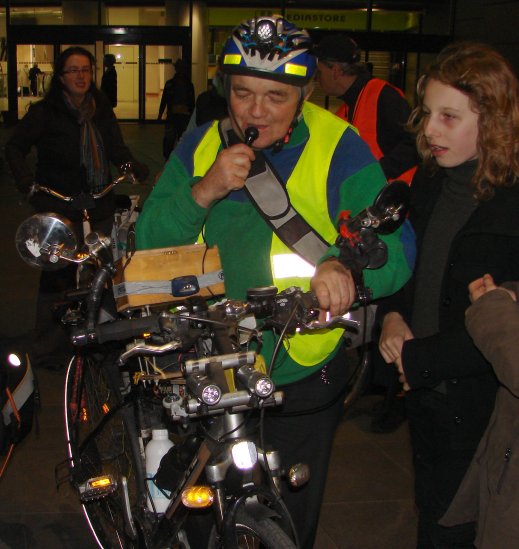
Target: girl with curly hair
(464, 203)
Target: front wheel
(102, 440)
(254, 533)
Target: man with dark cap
(375, 107)
(380, 112)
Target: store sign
(326, 19)
(320, 19)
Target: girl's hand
(395, 332)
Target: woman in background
(76, 136)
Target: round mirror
(43, 240)
(391, 205)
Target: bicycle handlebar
(128, 176)
(291, 309)
(116, 331)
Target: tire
(97, 447)
(255, 533)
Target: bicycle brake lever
(343, 321)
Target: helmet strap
(280, 143)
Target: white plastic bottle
(155, 450)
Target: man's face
(327, 76)
(265, 104)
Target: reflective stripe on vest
(311, 169)
(365, 119)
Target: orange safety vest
(365, 119)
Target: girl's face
(450, 125)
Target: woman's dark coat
(54, 131)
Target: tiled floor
(368, 501)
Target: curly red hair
(481, 73)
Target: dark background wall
(492, 21)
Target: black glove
(140, 170)
(24, 185)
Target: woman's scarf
(92, 152)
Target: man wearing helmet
(325, 168)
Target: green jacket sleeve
(358, 192)
(170, 216)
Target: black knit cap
(337, 48)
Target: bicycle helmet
(270, 47)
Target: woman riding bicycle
(76, 136)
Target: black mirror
(391, 206)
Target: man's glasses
(75, 72)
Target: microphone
(251, 134)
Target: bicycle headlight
(244, 454)
(14, 356)
(211, 394)
(255, 381)
(14, 360)
(204, 389)
(264, 387)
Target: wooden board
(165, 264)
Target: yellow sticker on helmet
(297, 70)
(232, 59)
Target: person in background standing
(210, 104)
(380, 112)
(375, 107)
(23, 81)
(109, 79)
(76, 136)
(178, 100)
(34, 72)
(464, 204)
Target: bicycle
(178, 363)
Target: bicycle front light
(204, 389)
(14, 360)
(13, 355)
(255, 381)
(244, 455)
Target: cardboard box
(151, 277)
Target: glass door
(31, 82)
(159, 69)
(127, 68)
